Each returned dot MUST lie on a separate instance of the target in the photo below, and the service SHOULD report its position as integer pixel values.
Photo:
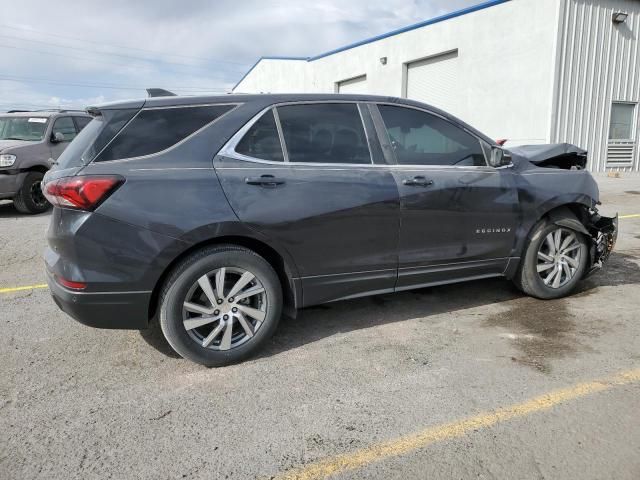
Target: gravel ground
(76, 402)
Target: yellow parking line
(19, 289)
(412, 442)
(633, 215)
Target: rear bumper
(10, 184)
(121, 310)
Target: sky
(77, 53)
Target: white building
(530, 71)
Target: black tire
(29, 198)
(184, 279)
(531, 282)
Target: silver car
(30, 143)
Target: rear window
(94, 137)
(154, 130)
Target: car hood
(11, 144)
(553, 155)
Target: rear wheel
(554, 262)
(30, 198)
(220, 305)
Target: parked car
(29, 144)
(219, 214)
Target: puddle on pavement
(541, 330)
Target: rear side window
(324, 133)
(420, 138)
(154, 130)
(262, 140)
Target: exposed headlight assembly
(6, 160)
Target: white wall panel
(504, 72)
(598, 63)
(435, 81)
(353, 85)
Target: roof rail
(59, 110)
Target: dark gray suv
(29, 144)
(217, 215)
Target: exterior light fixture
(619, 17)
(383, 60)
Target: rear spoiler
(159, 92)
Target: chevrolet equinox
(217, 215)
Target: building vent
(620, 154)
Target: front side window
(324, 133)
(82, 122)
(621, 121)
(66, 127)
(22, 128)
(262, 140)
(157, 129)
(420, 138)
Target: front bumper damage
(604, 233)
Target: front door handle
(418, 181)
(264, 181)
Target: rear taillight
(72, 285)
(82, 192)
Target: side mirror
(57, 137)
(499, 158)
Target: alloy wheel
(559, 256)
(224, 308)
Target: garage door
(353, 85)
(434, 80)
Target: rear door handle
(418, 181)
(264, 181)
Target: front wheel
(220, 305)
(30, 198)
(554, 262)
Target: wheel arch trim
(286, 271)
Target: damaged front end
(604, 233)
(563, 156)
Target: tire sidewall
(534, 280)
(23, 201)
(183, 279)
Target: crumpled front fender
(604, 233)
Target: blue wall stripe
(424, 23)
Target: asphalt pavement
(464, 381)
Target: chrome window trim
(229, 148)
(360, 106)
(175, 145)
(350, 166)
(191, 105)
(283, 144)
(431, 112)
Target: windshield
(23, 128)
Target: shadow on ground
(7, 210)
(545, 325)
